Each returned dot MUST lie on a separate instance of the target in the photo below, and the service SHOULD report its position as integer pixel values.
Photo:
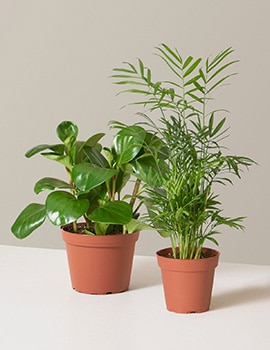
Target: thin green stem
(113, 187)
(75, 227)
(135, 192)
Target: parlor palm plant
(185, 207)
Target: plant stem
(135, 192)
(113, 187)
(75, 227)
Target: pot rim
(187, 264)
(162, 252)
(82, 239)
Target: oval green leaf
(63, 208)
(66, 130)
(136, 225)
(87, 176)
(116, 212)
(91, 155)
(128, 142)
(50, 183)
(57, 149)
(29, 219)
(62, 159)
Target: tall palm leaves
(184, 207)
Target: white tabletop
(39, 310)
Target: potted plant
(98, 219)
(185, 207)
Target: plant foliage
(96, 179)
(185, 207)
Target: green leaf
(139, 91)
(196, 98)
(199, 87)
(172, 59)
(141, 65)
(165, 233)
(221, 69)
(128, 142)
(109, 155)
(136, 225)
(147, 170)
(94, 196)
(131, 68)
(231, 222)
(156, 87)
(93, 140)
(212, 239)
(155, 145)
(63, 208)
(127, 81)
(211, 123)
(220, 82)
(192, 80)
(67, 130)
(87, 176)
(57, 149)
(116, 212)
(93, 156)
(62, 159)
(187, 62)
(202, 75)
(50, 183)
(218, 59)
(101, 229)
(218, 127)
(172, 53)
(123, 177)
(149, 76)
(192, 67)
(29, 220)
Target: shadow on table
(145, 274)
(241, 296)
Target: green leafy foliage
(181, 203)
(49, 183)
(96, 177)
(116, 212)
(87, 176)
(63, 208)
(127, 143)
(29, 220)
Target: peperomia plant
(96, 178)
(185, 207)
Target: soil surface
(204, 255)
(81, 227)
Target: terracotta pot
(100, 264)
(187, 283)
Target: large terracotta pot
(100, 264)
(187, 284)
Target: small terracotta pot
(187, 283)
(100, 264)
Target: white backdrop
(56, 57)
